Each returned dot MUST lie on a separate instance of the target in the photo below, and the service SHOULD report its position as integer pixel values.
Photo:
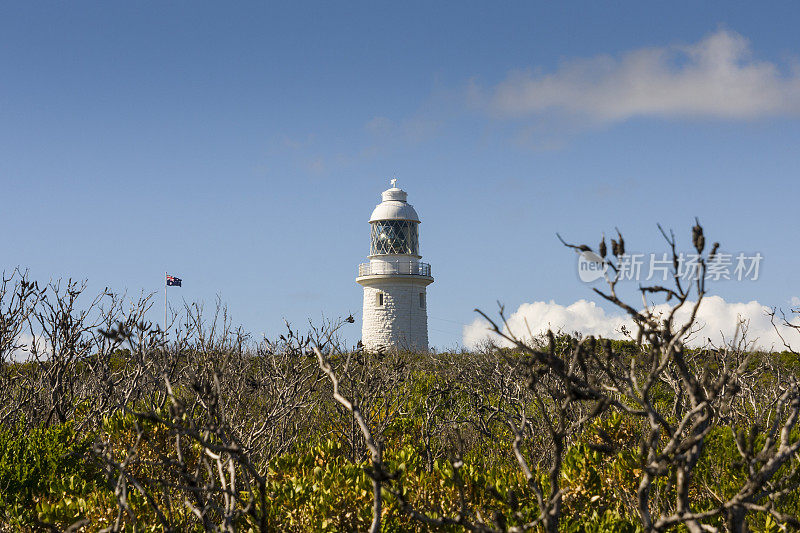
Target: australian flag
(172, 281)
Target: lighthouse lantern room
(395, 281)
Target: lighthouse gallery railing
(412, 268)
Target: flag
(172, 281)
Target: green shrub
(40, 469)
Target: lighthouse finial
(393, 181)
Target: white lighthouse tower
(395, 280)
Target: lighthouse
(395, 281)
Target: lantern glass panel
(394, 237)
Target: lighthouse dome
(394, 206)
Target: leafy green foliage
(48, 475)
(44, 473)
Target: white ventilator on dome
(395, 280)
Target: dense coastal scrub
(315, 472)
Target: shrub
(40, 469)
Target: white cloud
(716, 77)
(716, 317)
(380, 125)
(25, 343)
(795, 301)
(413, 130)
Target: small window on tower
(422, 300)
(379, 299)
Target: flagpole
(165, 305)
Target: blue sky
(242, 147)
